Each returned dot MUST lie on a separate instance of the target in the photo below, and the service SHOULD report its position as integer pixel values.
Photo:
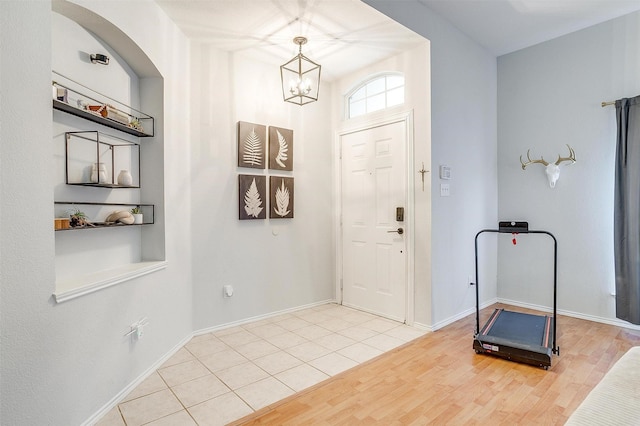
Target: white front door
(374, 249)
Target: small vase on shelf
(98, 173)
(125, 178)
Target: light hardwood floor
(439, 379)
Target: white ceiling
(346, 35)
(504, 26)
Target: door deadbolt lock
(399, 231)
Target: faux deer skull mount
(551, 169)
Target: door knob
(400, 231)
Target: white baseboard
(526, 305)
(131, 386)
(610, 321)
(423, 327)
(461, 315)
(259, 317)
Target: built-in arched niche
(107, 118)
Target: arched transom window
(380, 92)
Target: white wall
(415, 65)
(549, 95)
(464, 137)
(61, 363)
(273, 264)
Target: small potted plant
(78, 218)
(136, 124)
(137, 215)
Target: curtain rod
(604, 104)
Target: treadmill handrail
(555, 276)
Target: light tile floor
(222, 376)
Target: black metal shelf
(97, 118)
(147, 209)
(105, 154)
(105, 185)
(77, 99)
(98, 225)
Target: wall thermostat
(445, 172)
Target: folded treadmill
(517, 336)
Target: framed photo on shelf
(252, 197)
(252, 140)
(280, 148)
(281, 197)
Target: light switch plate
(444, 190)
(445, 172)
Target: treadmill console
(508, 226)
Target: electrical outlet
(137, 328)
(227, 290)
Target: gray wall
(464, 137)
(549, 95)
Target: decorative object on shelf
(97, 58)
(136, 124)
(137, 215)
(280, 148)
(78, 219)
(60, 93)
(94, 158)
(120, 216)
(82, 104)
(117, 214)
(252, 197)
(61, 223)
(281, 197)
(552, 170)
(300, 77)
(110, 112)
(251, 145)
(95, 109)
(125, 178)
(98, 173)
(77, 99)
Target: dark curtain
(627, 210)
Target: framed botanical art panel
(252, 145)
(252, 197)
(280, 148)
(281, 197)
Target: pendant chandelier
(300, 77)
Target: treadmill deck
(517, 336)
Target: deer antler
(571, 157)
(541, 161)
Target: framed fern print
(252, 145)
(281, 197)
(252, 197)
(280, 148)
